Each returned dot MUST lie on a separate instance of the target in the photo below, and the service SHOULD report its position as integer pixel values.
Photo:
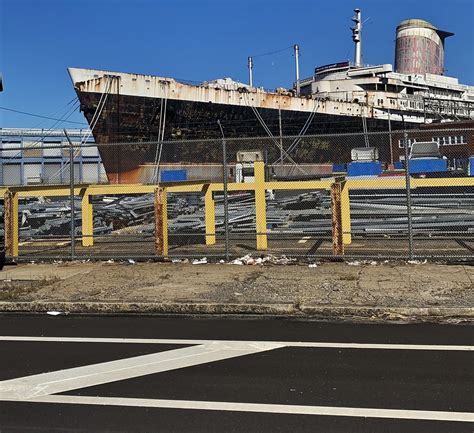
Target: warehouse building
(41, 156)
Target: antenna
(250, 66)
(357, 38)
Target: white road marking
(59, 381)
(38, 388)
(263, 408)
(316, 344)
(304, 239)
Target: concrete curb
(354, 313)
(148, 308)
(385, 314)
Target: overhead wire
(161, 133)
(41, 122)
(95, 118)
(270, 53)
(364, 127)
(274, 140)
(64, 117)
(304, 129)
(40, 116)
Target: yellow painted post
(210, 217)
(87, 220)
(260, 205)
(11, 223)
(161, 222)
(346, 215)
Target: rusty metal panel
(336, 211)
(161, 224)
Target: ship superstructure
(340, 97)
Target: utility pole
(297, 67)
(250, 66)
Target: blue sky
(198, 40)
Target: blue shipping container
(370, 168)
(173, 175)
(338, 168)
(398, 165)
(427, 165)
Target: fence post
(346, 214)
(71, 196)
(87, 220)
(260, 206)
(336, 215)
(408, 190)
(210, 217)
(226, 195)
(11, 223)
(161, 222)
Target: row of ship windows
(412, 104)
(443, 141)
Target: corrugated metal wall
(27, 156)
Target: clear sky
(199, 40)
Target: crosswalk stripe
(315, 344)
(263, 408)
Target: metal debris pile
(372, 214)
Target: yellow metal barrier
(87, 221)
(11, 222)
(210, 217)
(260, 186)
(345, 214)
(260, 206)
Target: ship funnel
(419, 48)
(357, 37)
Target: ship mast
(250, 66)
(296, 49)
(357, 38)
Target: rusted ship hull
(135, 120)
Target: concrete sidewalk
(354, 290)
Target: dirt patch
(326, 284)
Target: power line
(42, 117)
(56, 113)
(69, 112)
(270, 53)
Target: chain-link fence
(319, 196)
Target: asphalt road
(156, 374)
